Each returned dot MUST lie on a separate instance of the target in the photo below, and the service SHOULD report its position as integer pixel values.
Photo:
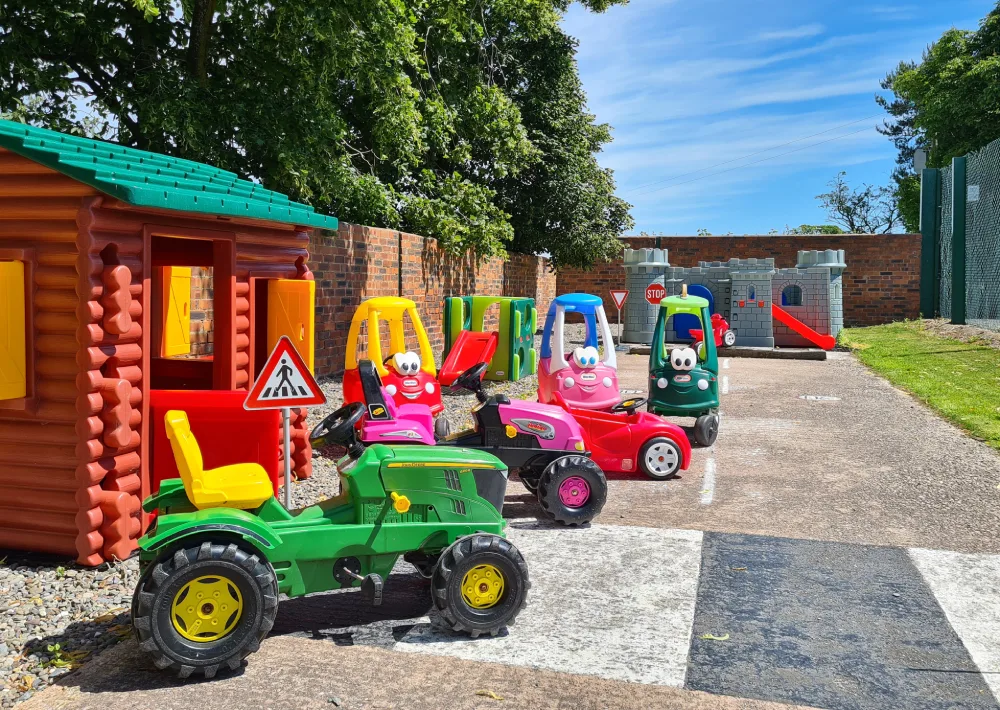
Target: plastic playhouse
(764, 306)
(97, 316)
(515, 350)
(586, 379)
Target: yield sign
(619, 295)
(284, 382)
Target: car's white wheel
(729, 338)
(660, 458)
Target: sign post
(619, 296)
(285, 382)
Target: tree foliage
(947, 104)
(814, 229)
(862, 210)
(461, 120)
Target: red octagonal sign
(655, 293)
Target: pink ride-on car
(585, 379)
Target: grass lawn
(961, 381)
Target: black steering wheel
(629, 406)
(472, 379)
(340, 428)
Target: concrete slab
(825, 624)
(615, 602)
(968, 589)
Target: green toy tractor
(685, 382)
(222, 548)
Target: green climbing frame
(515, 356)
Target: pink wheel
(574, 492)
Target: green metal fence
(960, 223)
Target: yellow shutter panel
(291, 311)
(176, 311)
(13, 383)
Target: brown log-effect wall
(41, 437)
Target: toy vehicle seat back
(242, 485)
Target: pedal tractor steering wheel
(629, 406)
(340, 428)
(472, 379)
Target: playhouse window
(186, 294)
(791, 295)
(751, 294)
(13, 366)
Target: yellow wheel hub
(206, 608)
(482, 586)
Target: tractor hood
(419, 456)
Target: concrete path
(838, 547)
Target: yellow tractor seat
(240, 485)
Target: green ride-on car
(685, 382)
(223, 548)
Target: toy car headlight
(569, 382)
(579, 445)
(703, 384)
(662, 383)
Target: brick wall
(202, 295)
(881, 282)
(357, 263)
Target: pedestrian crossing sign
(285, 381)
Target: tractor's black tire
(154, 629)
(559, 471)
(530, 483)
(459, 559)
(706, 429)
(667, 458)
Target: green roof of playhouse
(144, 179)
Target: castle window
(791, 295)
(751, 293)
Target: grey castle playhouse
(743, 292)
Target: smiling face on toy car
(405, 377)
(683, 359)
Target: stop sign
(655, 293)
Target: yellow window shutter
(13, 382)
(176, 311)
(291, 311)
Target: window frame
(29, 402)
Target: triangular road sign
(285, 381)
(619, 295)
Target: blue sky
(690, 84)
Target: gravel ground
(56, 615)
(965, 333)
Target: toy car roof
(388, 306)
(583, 303)
(684, 302)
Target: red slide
(470, 349)
(827, 342)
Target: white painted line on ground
(968, 589)
(610, 601)
(725, 363)
(708, 482)
(725, 384)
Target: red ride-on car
(720, 329)
(626, 439)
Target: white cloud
(800, 32)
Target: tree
(862, 210)
(814, 229)
(457, 119)
(947, 104)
